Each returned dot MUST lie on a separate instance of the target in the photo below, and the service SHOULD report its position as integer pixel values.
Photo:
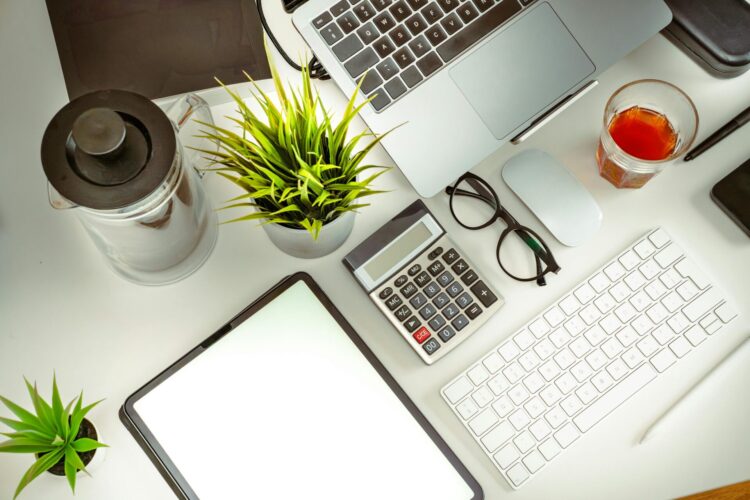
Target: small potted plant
(61, 438)
(301, 174)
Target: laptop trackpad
(522, 70)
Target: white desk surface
(62, 309)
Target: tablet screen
(285, 406)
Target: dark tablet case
(161, 460)
(157, 48)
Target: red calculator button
(421, 335)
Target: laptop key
(448, 5)
(403, 57)
(419, 46)
(362, 61)
(384, 22)
(417, 4)
(467, 12)
(451, 23)
(370, 82)
(395, 88)
(348, 22)
(367, 33)
(347, 47)
(432, 12)
(429, 64)
(483, 5)
(387, 69)
(491, 19)
(339, 8)
(331, 34)
(364, 11)
(400, 10)
(322, 20)
(411, 76)
(384, 46)
(436, 35)
(381, 4)
(400, 36)
(380, 100)
(416, 24)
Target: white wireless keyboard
(538, 391)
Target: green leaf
(24, 445)
(36, 426)
(83, 445)
(42, 408)
(70, 474)
(43, 463)
(78, 415)
(72, 457)
(60, 419)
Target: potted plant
(61, 438)
(300, 172)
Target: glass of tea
(647, 125)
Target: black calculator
(423, 283)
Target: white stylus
(742, 347)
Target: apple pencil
(744, 346)
(719, 135)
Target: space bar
(476, 30)
(614, 397)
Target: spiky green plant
(51, 434)
(298, 169)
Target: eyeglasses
(475, 205)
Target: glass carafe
(117, 161)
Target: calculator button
(409, 290)
(473, 311)
(414, 269)
(421, 335)
(427, 311)
(436, 268)
(450, 311)
(441, 300)
(454, 289)
(386, 293)
(436, 322)
(446, 333)
(460, 322)
(393, 302)
(460, 266)
(485, 296)
(450, 256)
(431, 346)
(469, 278)
(402, 313)
(464, 300)
(411, 324)
(431, 290)
(435, 253)
(418, 301)
(445, 279)
(422, 278)
(401, 280)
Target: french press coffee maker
(116, 160)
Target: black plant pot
(86, 430)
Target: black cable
(317, 70)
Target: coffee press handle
(188, 113)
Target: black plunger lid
(108, 149)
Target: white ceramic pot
(300, 243)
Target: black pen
(719, 135)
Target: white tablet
(287, 402)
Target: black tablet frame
(167, 468)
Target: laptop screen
(285, 406)
(156, 48)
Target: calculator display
(397, 251)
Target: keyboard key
(566, 382)
(440, 301)
(418, 301)
(614, 271)
(348, 22)
(364, 11)
(519, 419)
(427, 312)
(556, 417)
(450, 311)
(610, 400)
(700, 306)
(632, 357)
(559, 337)
(473, 311)
(400, 11)
(393, 302)
(446, 333)
(688, 269)
(367, 33)
(566, 435)
(483, 422)
(483, 5)
(467, 12)
(446, 278)
(429, 64)
(518, 394)
(436, 35)
(419, 46)
(451, 23)
(401, 280)
(508, 351)
(648, 345)
(595, 335)
(431, 346)
(493, 362)
(687, 290)
(506, 456)
(480, 290)
(587, 393)
(404, 58)
(448, 5)
(384, 22)
(460, 322)
(644, 249)
(518, 474)
(668, 255)
(571, 405)
(513, 372)
(431, 289)
(408, 290)
(482, 396)
(399, 35)
(421, 335)
(436, 268)
(417, 4)
(386, 293)
(402, 313)
(498, 436)
(332, 34)
(361, 62)
(381, 4)
(322, 20)
(533, 382)
(659, 238)
(384, 46)
(503, 406)
(670, 278)
(436, 323)
(539, 328)
(416, 24)
(464, 299)
(467, 408)
(650, 269)
(540, 429)
(458, 389)
(663, 360)
(726, 313)
(395, 89)
(534, 461)
(695, 335)
(524, 442)
(680, 347)
(339, 8)
(629, 260)
(422, 279)
(569, 305)
(617, 369)
(412, 77)
(432, 13)
(549, 449)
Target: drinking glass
(673, 123)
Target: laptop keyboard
(404, 42)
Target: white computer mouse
(554, 195)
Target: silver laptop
(467, 76)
